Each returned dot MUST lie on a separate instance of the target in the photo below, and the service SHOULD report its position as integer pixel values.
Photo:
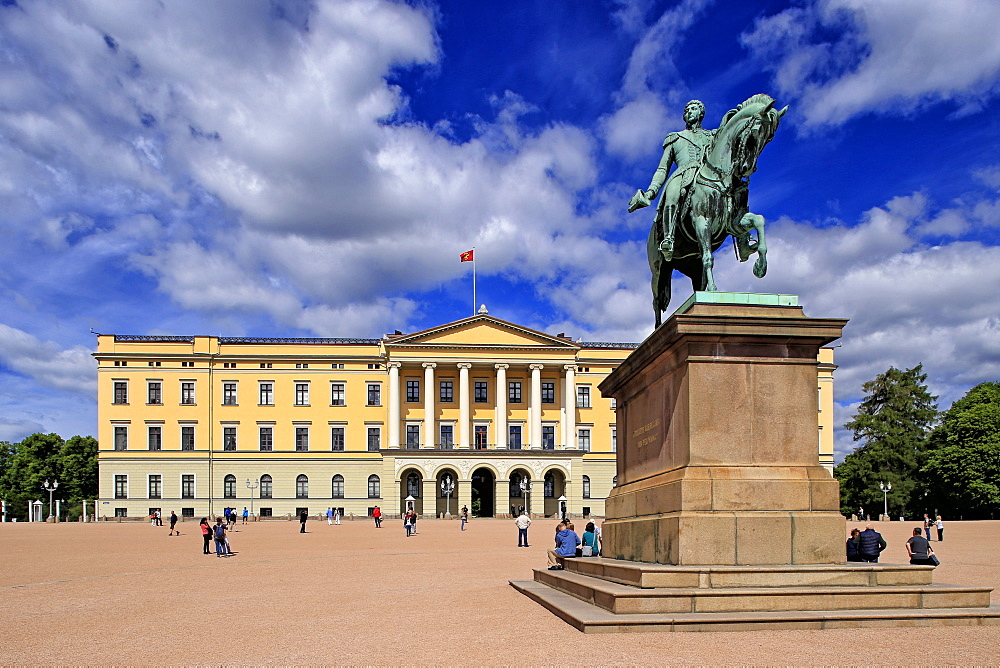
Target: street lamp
(447, 487)
(251, 486)
(50, 490)
(886, 488)
(525, 486)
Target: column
(463, 406)
(393, 426)
(535, 428)
(537, 497)
(569, 421)
(429, 435)
(429, 494)
(501, 409)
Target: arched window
(550, 486)
(338, 487)
(229, 487)
(302, 487)
(413, 485)
(374, 487)
(586, 486)
(265, 486)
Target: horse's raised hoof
(667, 249)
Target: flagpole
(473, 280)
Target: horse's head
(743, 134)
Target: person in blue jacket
(566, 544)
(870, 544)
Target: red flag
(468, 256)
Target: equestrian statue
(705, 200)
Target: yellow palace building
(508, 415)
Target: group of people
(220, 532)
(569, 544)
(867, 545)
(937, 524)
(333, 516)
(410, 522)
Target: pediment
(480, 331)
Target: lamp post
(886, 488)
(251, 486)
(525, 486)
(447, 487)
(50, 490)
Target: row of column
(500, 419)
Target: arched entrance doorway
(516, 493)
(445, 500)
(410, 484)
(483, 486)
(553, 486)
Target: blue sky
(296, 169)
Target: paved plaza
(128, 594)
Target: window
(229, 394)
(374, 487)
(229, 439)
(155, 439)
(229, 365)
(374, 366)
(337, 365)
(187, 393)
(337, 491)
(266, 512)
(515, 437)
(187, 363)
(586, 486)
(548, 393)
(121, 392)
(187, 438)
(447, 437)
(302, 487)
(265, 365)
(413, 390)
(266, 439)
(549, 486)
(614, 439)
(337, 394)
(302, 439)
(374, 394)
(155, 486)
(121, 512)
(374, 439)
(301, 394)
(548, 437)
(154, 394)
(514, 489)
(514, 391)
(266, 394)
(121, 438)
(187, 512)
(412, 436)
(481, 432)
(121, 486)
(154, 364)
(121, 363)
(583, 396)
(481, 392)
(583, 439)
(337, 439)
(229, 487)
(614, 404)
(187, 486)
(265, 486)
(446, 391)
(614, 481)
(302, 365)
(413, 485)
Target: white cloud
(47, 363)
(890, 56)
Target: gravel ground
(127, 594)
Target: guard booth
(37, 513)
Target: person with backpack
(219, 531)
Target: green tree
(78, 480)
(892, 423)
(35, 460)
(963, 462)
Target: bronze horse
(714, 206)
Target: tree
(963, 462)
(893, 423)
(79, 478)
(35, 460)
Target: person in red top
(206, 534)
(377, 515)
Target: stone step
(646, 575)
(627, 600)
(591, 619)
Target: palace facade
(507, 415)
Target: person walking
(406, 523)
(329, 516)
(522, 522)
(173, 524)
(377, 516)
(870, 544)
(246, 514)
(303, 516)
(413, 520)
(465, 516)
(919, 550)
(336, 515)
(927, 525)
(219, 531)
(206, 535)
(940, 529)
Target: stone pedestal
(718, 440)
